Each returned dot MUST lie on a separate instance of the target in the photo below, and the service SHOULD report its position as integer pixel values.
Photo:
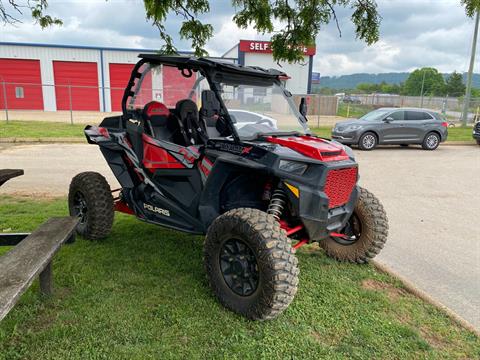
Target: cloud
(414, 33)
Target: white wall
(298, 84)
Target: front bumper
(347, 137)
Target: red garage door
(119, 76)
(83, 80)
(22, 84)
(175, 86)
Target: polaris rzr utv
(226, 153)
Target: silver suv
(393, 126)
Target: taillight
(445, 124)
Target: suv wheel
(91, 200)
(431, 141)
(250, 264)
(368, 141)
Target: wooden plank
(7, 174)
(20, 266)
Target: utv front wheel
(365, 233)
(91, 200)
(250, 264)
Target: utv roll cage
(213, 71)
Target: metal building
(87, 78)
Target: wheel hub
(239, 267)
(432, 141)
(368, 141)
(80, 206)
(352, 231)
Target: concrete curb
(78, 140)
(46, 140)
(411, 288)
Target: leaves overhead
(471, 6)
(11, 10)
(293, 24)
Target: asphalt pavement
(432, 200)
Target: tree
(300, 20)
(434, 84)
(454, 85)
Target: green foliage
(141, 294)
(454, 85)
(471, 6)
(300, 22)
(382, 88)
(36, 7)
(434, 84)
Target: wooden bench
(31, 257)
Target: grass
(142, 293)
(40, 129)
(353, 110)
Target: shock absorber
(277, 204)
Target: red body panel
(23, 74)
(312, 147)
(155, 157)
(119, 76)
(339, 185)
(83, 79)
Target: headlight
(293, 167)
(354, 127)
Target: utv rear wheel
(366, 232)
(368, 141)
(250, 264)
(91, 200)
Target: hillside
(351, 81)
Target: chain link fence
(90, 104)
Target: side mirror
(388, 119)
(303, 107)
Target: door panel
(416, 124)
(394, 131)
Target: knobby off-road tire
(373, 235)
(90, 199)
(275, 261)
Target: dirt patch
(326, 340)
(391, 291)
(433, 339)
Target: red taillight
(445, 124)
(339, 186)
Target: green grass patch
(40, 129)
(353, 110)
(142, 293)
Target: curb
(413, 289)
(66, 140)
(46, 140)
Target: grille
(339, 186)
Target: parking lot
(431, 198)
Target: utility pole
(468, 92)
(421, 91)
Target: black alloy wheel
(352, 231)
(239, 267)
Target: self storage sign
(253, 46)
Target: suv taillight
(445, 124)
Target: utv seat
(156, 116)
(210, 113)
(193, 126)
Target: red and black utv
(226, 153)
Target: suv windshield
(261, 109)
(374, 115)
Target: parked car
(348, 99)
(244, 117)
(393, 126)
(476, 132)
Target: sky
(413, 33)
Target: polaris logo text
(157, 210)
